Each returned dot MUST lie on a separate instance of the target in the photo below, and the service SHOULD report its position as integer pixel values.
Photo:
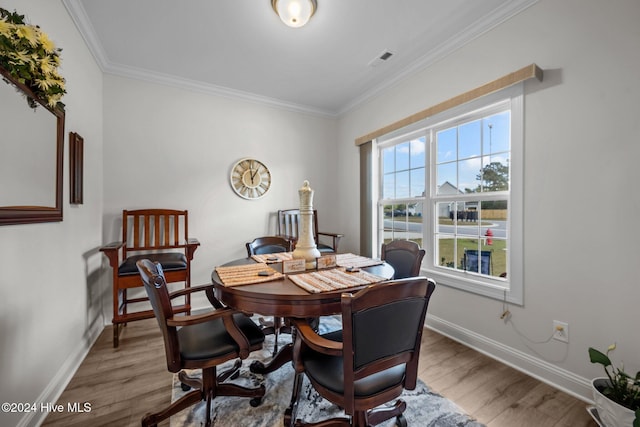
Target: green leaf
(636, 422)
(599, 357)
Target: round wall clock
(250, 178)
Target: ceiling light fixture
(294, 13)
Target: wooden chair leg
(291, 412)
(117, 329)
(190, 399)
(379, 415)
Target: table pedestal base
(284, 355)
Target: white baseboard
(546, 372)
(59, 382)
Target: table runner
(273, 257)
(334, 279)
(352, 260)
(246, 274)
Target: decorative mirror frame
(76, 168)
(32, 214)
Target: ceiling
(240, 48)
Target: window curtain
(366, 199)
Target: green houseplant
(618, 387)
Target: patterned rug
(424, 407)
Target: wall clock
(250, 178)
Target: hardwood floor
(123, 384)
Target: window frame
(511, 288)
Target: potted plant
(616, 396)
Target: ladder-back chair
(288, 222)
(161, 235)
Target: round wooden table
(283, 298)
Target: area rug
(424, 407)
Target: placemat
(248, 274)
(334, 279)
(352, 260)
(274, 257)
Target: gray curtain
(366, 201)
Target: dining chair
(289, 221)
(268, 245)
(405, 256)
(158, 234)
(372, 360)
(200, 341)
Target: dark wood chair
(201, 341)
(270, 245)
(372, 360)
(288, 221)
(158, 234)
(405, 256)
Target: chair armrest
(112, 252)
(315, 341)
(190, 290)
(338, 235)
(208, 289)
(334, 236)
(194, 319)
(192, 245)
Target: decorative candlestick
(306, 245)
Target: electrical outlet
(560, 331)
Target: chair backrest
(471, 261)
(289, 220)
(382, 328)
(154, 229)
(405, 256)
(156, 287)
(268, 245)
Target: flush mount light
(294, 13)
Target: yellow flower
(53, 100)
(47, 67)
(46, 43)
(28, 33)
(6, 28)
(45, 83)
(21, 56)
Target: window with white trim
(453, 184)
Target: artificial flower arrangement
(31, 58)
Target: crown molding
(491, 20)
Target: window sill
(498, 288)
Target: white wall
(581, 148)
(167, 147)
(49, 309)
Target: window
(453, 184)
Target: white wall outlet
(560, 331)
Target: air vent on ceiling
(385, 55)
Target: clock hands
(253, 174)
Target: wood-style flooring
(123, 384)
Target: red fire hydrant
(489, 235)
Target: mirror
(31, 153)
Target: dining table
(257, 285)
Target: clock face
(250, 178)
